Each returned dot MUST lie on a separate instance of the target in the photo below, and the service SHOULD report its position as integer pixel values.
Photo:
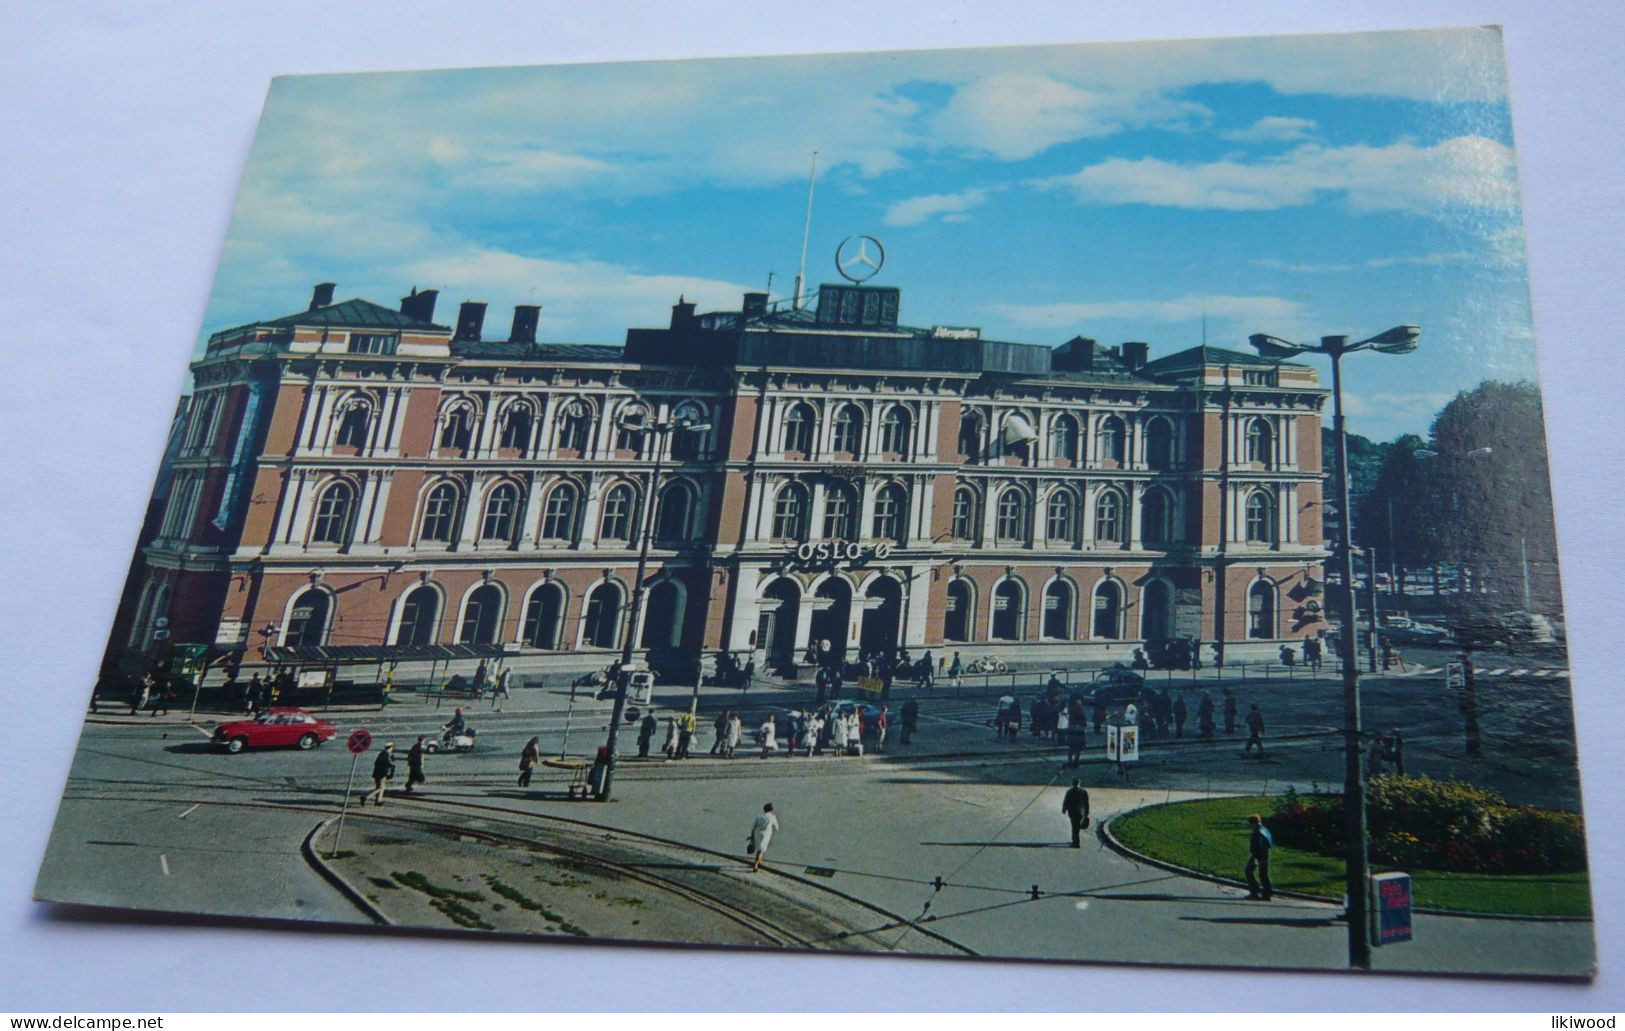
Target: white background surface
(123, 130)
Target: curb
(331, 876)
(1140, 857)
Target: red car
(272, 728)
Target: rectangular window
(1258, 377)
(373, 343)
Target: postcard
(1075, 503)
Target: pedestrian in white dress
(761, 834)
(770, 739)
(854, 732)
(838, 729)
(735, 731)
(815, 727)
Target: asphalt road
(155, 817)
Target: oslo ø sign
(359, 741)
(850, 551)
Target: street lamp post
(1399, 340)
(659, 432)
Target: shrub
(1426, 824)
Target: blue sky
(1291, 185)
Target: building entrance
(776, 630)
(832, 613)
(882, 616)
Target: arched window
(353, 426)
(686, 442)
(333, 509)
(840, 514)
(1261, 611)
(308, 620)
(1156, 611)
(457, 429)
(798, 429)
(1009, 611)
(620, 513)
(849, 430)
(601, 621)
(1109, 517)
(1108, 622)
(671, 522)
(1060, 523)
(1063, 438)
(1159, 444)
(559, 513)
(575, 428)
(1156, 518)
(500, 509)
(1260, 443)
(440, 514)
(964, 527)
(1260, 518)
(790, 513)
(960, 614)
(517, 427)
(662, 616)
(970, 438)
(482, 616)
(1058, 607)
(1111, 441)
(197, 433)
(894, 431)
(420, 613)
(544, 617)
(891, 513)
(1012, 516)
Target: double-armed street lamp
(1399, 340)
(638, 423)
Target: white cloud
(1467, 171)
(1401, 409)
(1273, 129)
(950, 207)
(1238, 310)
(1015, 116)
(1432, 259)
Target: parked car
(274, 728)
(1117, 685)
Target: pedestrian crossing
(1504, 671)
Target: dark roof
(352, 314)
(340, 654)
(1197, 357)
(507, 349)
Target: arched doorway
(776, 625)
(1261, 611)
(882, 616)
(662, 616)
(959, 617)
(307, 620)
(1108, 621)
(1157, 611)
(832, 612)
(482, 616)
(419, 614)
(1009, 611)
(544, 617)
(1058, 611)
(601, 623)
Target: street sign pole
(358, 743)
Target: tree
(1401, 514)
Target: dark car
(1118, 685)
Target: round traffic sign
(359, 741)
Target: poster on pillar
(497, 407)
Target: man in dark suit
(1075, 804)
(1258, 862)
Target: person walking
(478, 686)
(813, 733)
(882, 725)
(530, 757)
(1255, 732)
(911, 719)
(854, 731)
(161, 694)
(251, 697)
(1181, 713)
(142, 693)
(500, 694)
(956, 669)
(736, 730)
(1229, 713)
(1396, 751)
(1204, 717)
(721, 728)
(646, 733)
(769, 735)
(383, 771)
(687, 723)
(1075, 804)
(1311, 654)
(414, 764)
(670, 744)
(1258, 860)
(761, 835)
(838, 731)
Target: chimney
(322, 296)
(1135, 353)
(682, 314)
(525, 317)
(470, 320)
(1076, 355)
(755, 306)
(419, 305)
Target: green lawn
(1210, 835)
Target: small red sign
(359, 741)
